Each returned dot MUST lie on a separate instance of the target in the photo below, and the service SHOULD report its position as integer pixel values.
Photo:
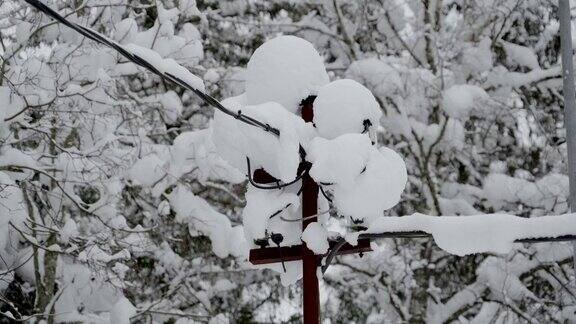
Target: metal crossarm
(341, 247)
(294, 252)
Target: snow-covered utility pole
(311, 290)
(569, 100)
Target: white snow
(125, 30)
(198, 147)
(225, 134)
(459, 101)
(166, 66)
(277, 155)
(342, 107)
(377, 75)
(365, 181)
(11, 103)
(88, 291)
(70, 229)
(490, 233)
(286, 70)
(201, 217)
(94, 254)
(521, 55)
(219, 319)
(260, 205)
(316, 238)
(122, 311)
(339, 160)
(478, 58)
(12, 156)
(147, 171)
(172, 106)
(504, 285)
(548, 192)
(500, 76)
(163, 208)
(12, 209)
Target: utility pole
(310, 261)
(310, 189)
(569, 101)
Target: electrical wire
(324, 194)
(305, 218)
(278, 186)
(101, 39)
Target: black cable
(324, 194)
(333, 253)
(421, 234)
(101, 39)
(279, 186)
(280, 210)
(277, 238)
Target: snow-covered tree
(106, 169)
(115, 202)
(471, 97)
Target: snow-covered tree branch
(124, 196)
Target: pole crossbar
(294, 252)
(341, 247)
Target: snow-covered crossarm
(458, 235)
(462, 235)
(167, 69)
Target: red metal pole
(310, 191)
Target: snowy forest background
(99, 160)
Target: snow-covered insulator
(261, 205)
(345, 106)
(376, 189)
(277, 155)
(286, 70)
(365, 181)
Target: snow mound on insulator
(339, 160)
(342, 107)
(278, 155)
(286, 70)
(261, 205)
(365, 181)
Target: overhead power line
(138, 60)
